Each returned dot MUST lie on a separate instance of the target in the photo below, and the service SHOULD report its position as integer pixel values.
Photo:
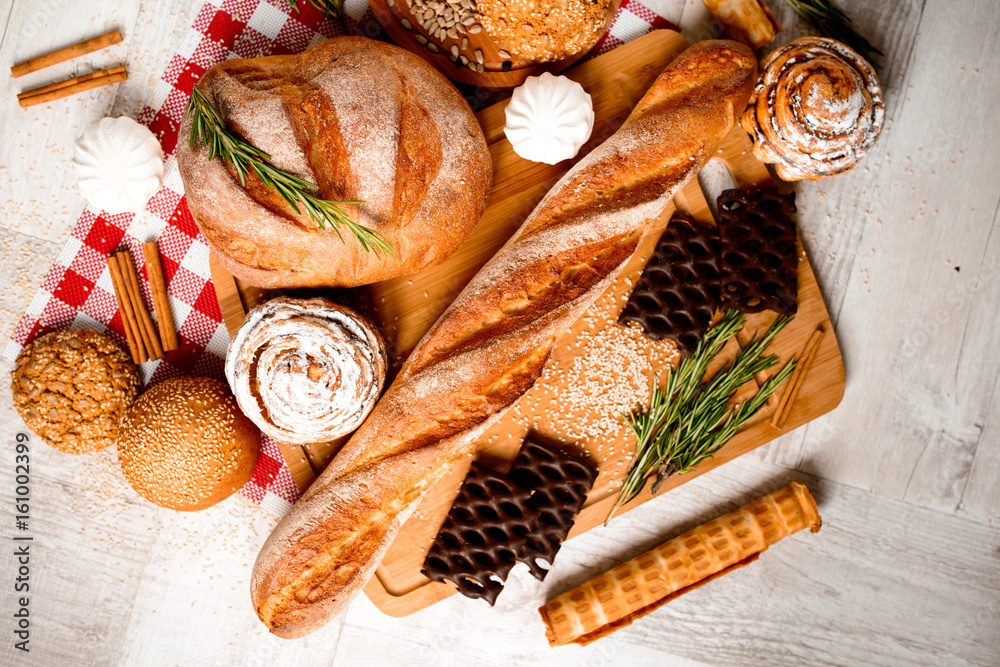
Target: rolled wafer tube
(614, 599)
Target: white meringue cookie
(119, 165)
(549, 118)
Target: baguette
(489, 347)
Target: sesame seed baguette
(489, 347)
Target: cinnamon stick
(130, 303)
(67, 53)
(797, 378)
(72, 86)
(135, 345)
(161, 298)
(58, 85)
(150, 337)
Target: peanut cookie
(73, 387)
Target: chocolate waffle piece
(485, 529)
(560, 483)
(678, 292)
(759, 255)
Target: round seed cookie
(72, 388)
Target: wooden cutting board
(596, 364)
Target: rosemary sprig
(332, 8)
(689, 420)
(208, 127)
(831, 22)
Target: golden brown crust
(747, 21)
(186, 445)
(816, 111)
(544, 31)
(488, 348)
(73, 387)
(365, 121)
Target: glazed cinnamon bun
(306, 370)
(816, 111)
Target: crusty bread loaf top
(488, 348)
(365, 121)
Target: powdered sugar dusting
(817, 109)
(306, 370)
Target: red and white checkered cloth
(77, 292)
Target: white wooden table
(907, 567)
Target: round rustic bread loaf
(73, 387)
(366, 121)
(185, 444)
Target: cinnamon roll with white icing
(816, 110)
(306, 370)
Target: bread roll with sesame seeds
(545, 31)
(185, 445)
(491, 344)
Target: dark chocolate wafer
(678, 292)
(759, 256)
(485, 529)
(560, 483)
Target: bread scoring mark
(318, 127)
(364, 97)
(420, 157)
(255, 107)
(522, 297)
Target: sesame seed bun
(185, 444)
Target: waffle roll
(615, 598)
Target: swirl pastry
(816, 110)
(306, 370)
